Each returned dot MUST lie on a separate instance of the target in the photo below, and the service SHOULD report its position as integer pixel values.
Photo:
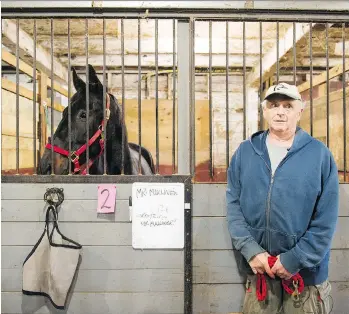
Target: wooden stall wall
(112, 278)
(218, 286)
(202, 135)
(26, 133)
(336, 130)
(40, 123)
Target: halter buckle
(74, 157)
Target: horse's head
(60, 139)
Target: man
(282, 201)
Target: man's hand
(280, 270)
(259, 264)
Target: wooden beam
(9, 58)
(334, 96)
(26, 93)
(165, 45)
(269, 60)
(322, 78)
(338, 50)
(201, 60)
(164, 60)
(42, 116)
(26, 47)
(11, 87)
(56, 107)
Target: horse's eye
(82, 115)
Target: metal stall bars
(310, 76)
(139, 98)
(344, 105)
(87, 93)
(104, 103)
(290, 55)
(17, 96)
(227, 150)
(69, 96)
(157, 94)
(210, 103)
(123, 93)
(52, 99)
(174, 95)
(187, 295)
(260, 75)
(278, 18)
(34, 97)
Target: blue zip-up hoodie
(293, 213)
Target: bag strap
(73, 244)
(51, 208)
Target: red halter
(75, 154)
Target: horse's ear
(94, 82)
(79, 84)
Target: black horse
(115, 143)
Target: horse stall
(172, 88)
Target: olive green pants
(313, 299)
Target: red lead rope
(261, 289)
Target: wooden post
(42, 116)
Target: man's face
(282, 113)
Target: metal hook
(54, 196)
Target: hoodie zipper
(268, 205)
(272, 176)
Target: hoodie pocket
(281, 242)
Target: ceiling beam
(10, 59)
(165, 45)
(201, 60)
(164, 60)
(26, 51)
(338, 50)
(322, 78)
(269, 60)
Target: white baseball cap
(284, 89)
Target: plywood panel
(209, 200)
(135, 280)
(8, 149)
(28, 233)
(336, 131)
(97, 303)
(212, 233)
(104, 258)
(70, 210)
(25, 191)
(112, 275)
(165, 128)
(219, 266)
(219, 298)
(226, 298)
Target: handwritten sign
(157, 215)
(106, 198)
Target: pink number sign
(106, 198)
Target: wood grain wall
(114, 278)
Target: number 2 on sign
(106, 198)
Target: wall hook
(54, 196)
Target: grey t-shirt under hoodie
(276, 154)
